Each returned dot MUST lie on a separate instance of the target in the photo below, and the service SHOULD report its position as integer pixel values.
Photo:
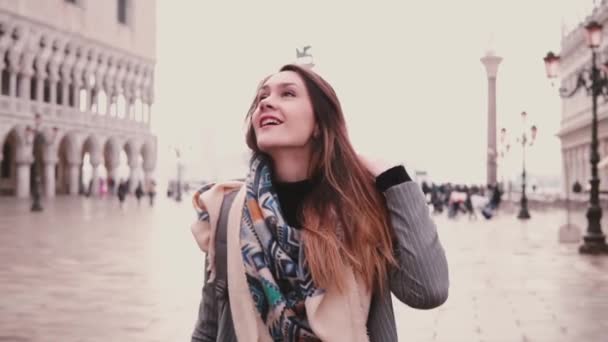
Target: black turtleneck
(292, 194)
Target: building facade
(79, 74)
(575, 127)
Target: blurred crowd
(469, 200)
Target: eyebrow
(280, 85)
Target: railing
(61, 115)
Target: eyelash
(291, 93)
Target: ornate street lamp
(595, 83)
(524, 214)
(36, 139)
(304, 57)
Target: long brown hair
(345, 218)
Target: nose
(265, 103)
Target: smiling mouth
(270, 122)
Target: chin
(268, 146)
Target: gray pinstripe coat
(420, 280)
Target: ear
(317, 132)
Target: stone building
(575, 127)
(85, 69)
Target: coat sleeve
(206, 324)
(420, 278)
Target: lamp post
(36, 139)
(524, 214)
(595, 83)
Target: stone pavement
(85, 271)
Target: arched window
(7, 159)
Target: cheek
(254, 118)
(307, 123)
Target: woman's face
(284, 117)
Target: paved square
(83, 270)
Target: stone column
(128, 115)
(95, 162)
(65, 93)
(89, 91)
(571, 168)
(113, 173)
(2, 66)
(95, 179)
(148, 175)
(580, 158)
(23, 178)
(25, 85)
(148, 115)
(74, 173)
(491, 62)
(133, 179)
(12, 83)
(53, 85)
(40, 88)
(108, 101)
(77, 86)
(49, 177)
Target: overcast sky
(407, 73)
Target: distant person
(122, 193)
(151, 189)
(363, 226)
(468, 205)
(577, 188)
(111, 185)
(139, 193)
(102, 187)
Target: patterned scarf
(278, 277)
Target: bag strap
(221, 246)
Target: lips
(269, 120)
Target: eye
(262, 96)
(289, 93)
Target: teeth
(270, 121)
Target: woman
(314, 241)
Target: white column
(577, 165)
(95, 178)
(25, 85)
(586, 165)
(76, 87)
(491, 62)
(53, 93)
(2, 67)
(133, 176)
(108, 101)
(89, 98)
(74, 172)
(149, 115)
(148, 176)
(571, 175)
(12, 83)
(23, 179)
(565, 171)
(113, 173)
(49, 178)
